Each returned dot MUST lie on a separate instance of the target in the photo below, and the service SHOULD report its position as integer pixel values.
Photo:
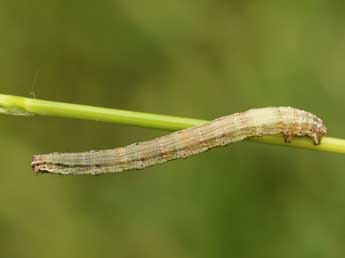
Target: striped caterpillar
(182, 144)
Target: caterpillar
(288, 121)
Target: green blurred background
(196, 58)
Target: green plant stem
(15, 105)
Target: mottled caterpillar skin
(182, 144)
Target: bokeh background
(200, 59)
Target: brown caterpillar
(182, 144)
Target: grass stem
(15, 105)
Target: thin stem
(15, 105)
